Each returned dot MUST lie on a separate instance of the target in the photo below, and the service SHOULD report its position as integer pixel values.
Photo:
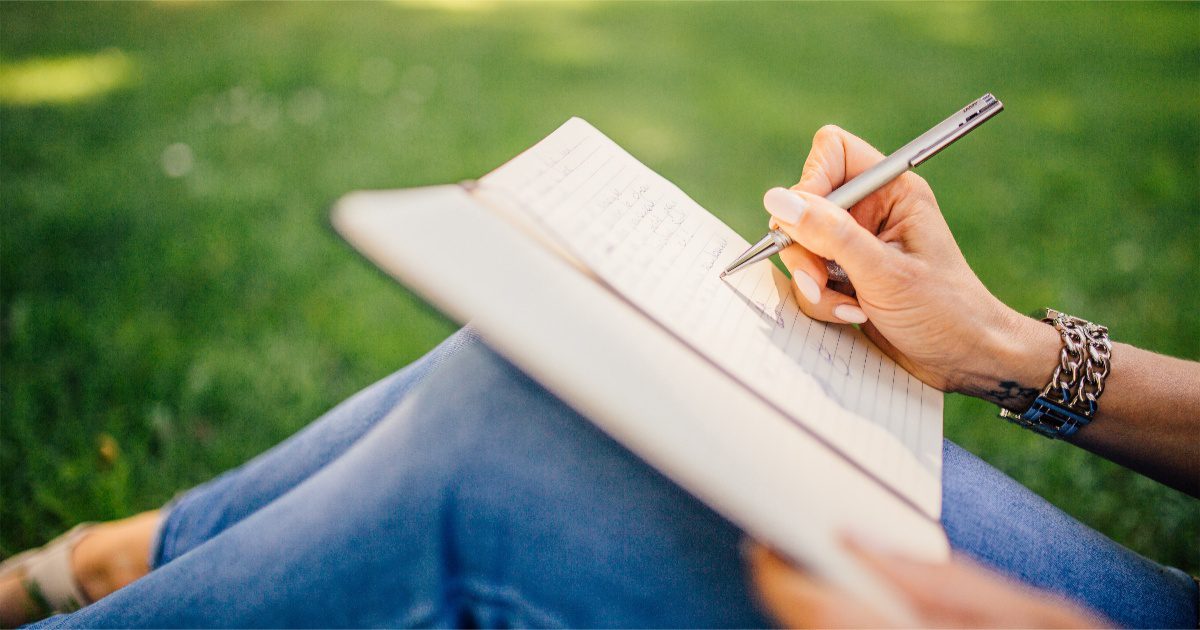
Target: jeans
(458, 492)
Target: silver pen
(909, 156)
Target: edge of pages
(572, 335)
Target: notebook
(599, 278)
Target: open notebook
(599, 278)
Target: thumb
(827, 230)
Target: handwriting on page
(661, 251)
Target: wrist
(1018, 355)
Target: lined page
(661, 251)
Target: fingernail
(784, 205)
(807, 286)
(849, 314)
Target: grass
(173, 301)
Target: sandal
(47, 574)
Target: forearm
(1148, 418)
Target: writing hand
(916, 297)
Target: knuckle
(814, 177)
(905, 273)
(911, 183)
(827, 132)
(812, 220)
(824, 165)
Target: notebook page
(661, 251)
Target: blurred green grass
(173, 301)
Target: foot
(16, 606)
(115, 553)
(105, 557)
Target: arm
(917, 298)
(1148, 418)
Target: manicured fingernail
(807, 286)
(784, 205)
(849, 314)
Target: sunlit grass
(64, 79)
(452, 5)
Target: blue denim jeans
(458, 492)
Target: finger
(931, 581)
(798, 600)
(915, 579)
(835, 157)
(808, 274)
(838, 156)
(816, 299)
(937, 592)
(829, 232)
(963, 592)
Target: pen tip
(722, 274)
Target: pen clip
(958, 126)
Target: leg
(484, 501)
(481, 500)
(113, 554)
(1003, 524)
(209, 509)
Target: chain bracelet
(1086, 347)
(1069, 400)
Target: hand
(959, 594)
(916, 297)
